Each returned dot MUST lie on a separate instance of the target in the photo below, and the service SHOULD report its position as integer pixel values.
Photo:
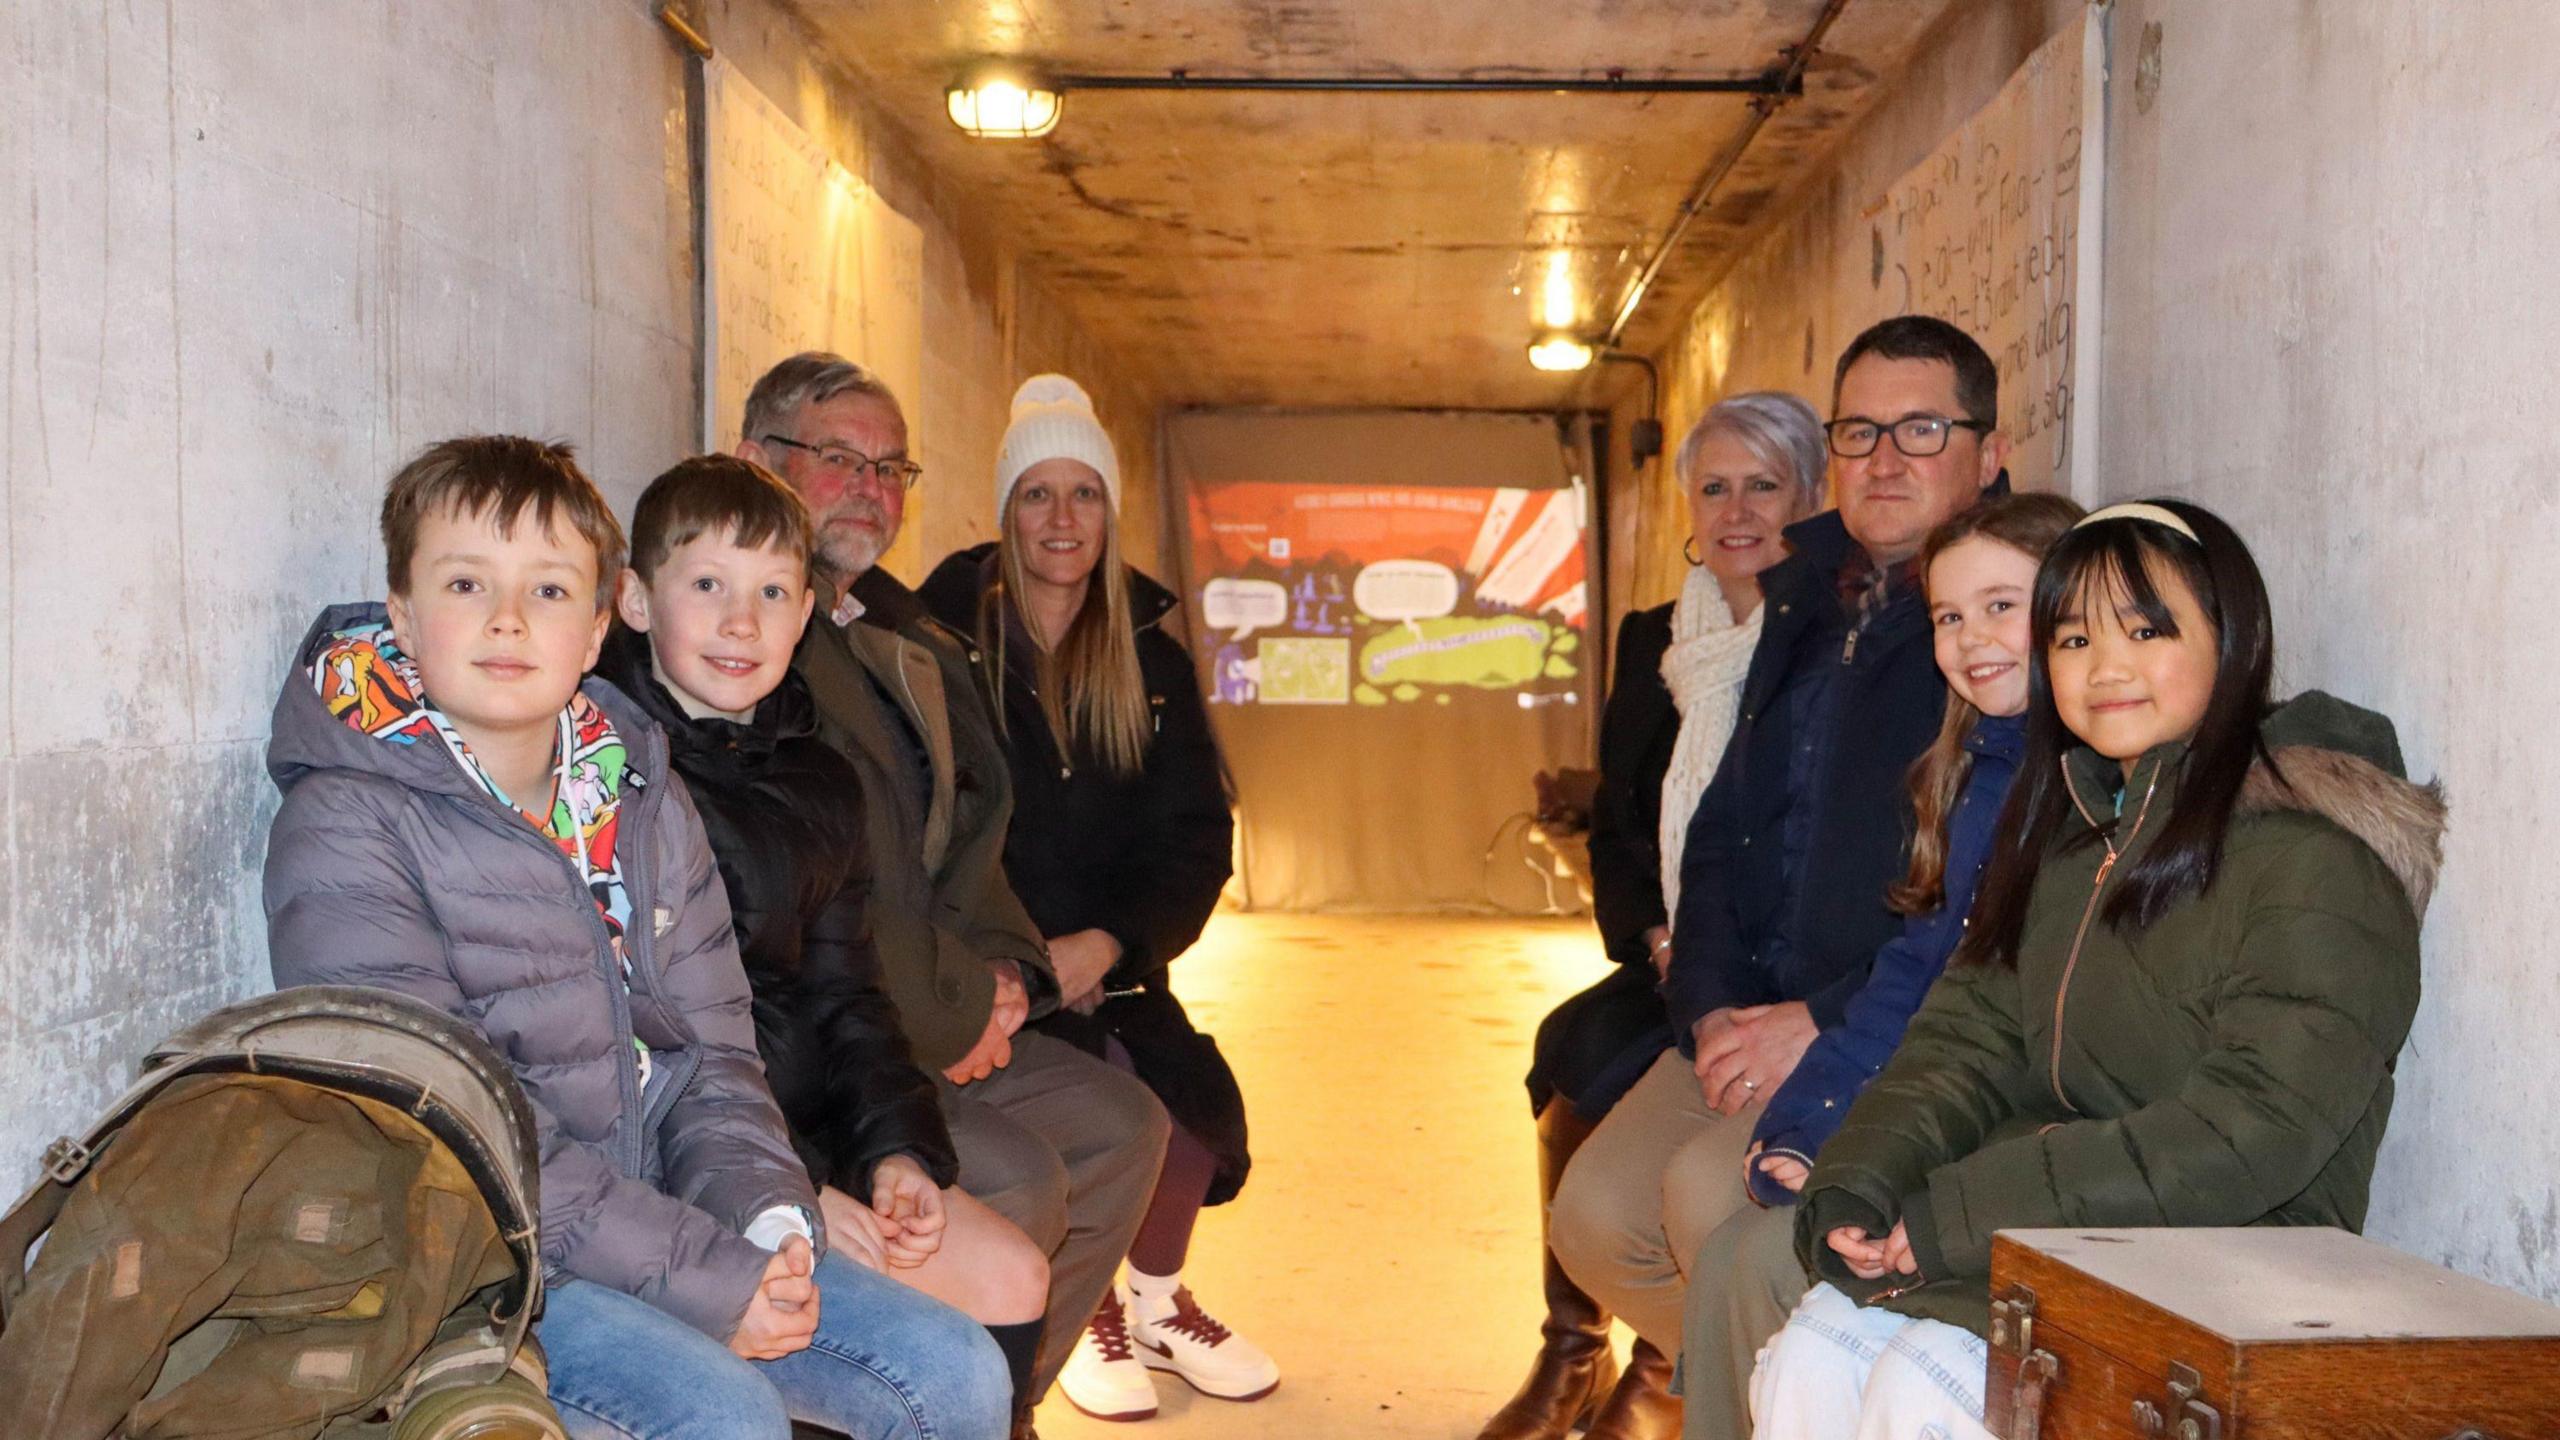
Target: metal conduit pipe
(1789, 83)
(1616, 82)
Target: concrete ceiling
(1331, 249)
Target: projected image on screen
(1378, 595)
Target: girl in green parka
(2193, 960)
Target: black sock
(1021, 1347)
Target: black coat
(1599, 1042)
(1766, 916)
(1638, 730)
(1141, 858)
(784, 813)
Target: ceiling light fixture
(1560, 354)
(997, 101)
(1564, 354)
(1556, 304)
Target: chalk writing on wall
(801, 255)
(1994, 231)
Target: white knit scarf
(1704, 667)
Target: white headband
(2138, 510)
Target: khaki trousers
(1068, 1148)
(1743, 1284)
(1658, 1176)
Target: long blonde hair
(1089, 685)
(2028, 524)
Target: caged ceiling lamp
(996, 101)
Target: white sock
(1151, 1296)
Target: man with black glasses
(1053, 1139)
(1783, 877)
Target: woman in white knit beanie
(1118, 849)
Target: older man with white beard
(1058, 1142)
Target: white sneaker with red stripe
(1102, 1376)
(1172, 1333)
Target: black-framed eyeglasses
(844, 464)
(1917, 436)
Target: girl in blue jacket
(1980, 570)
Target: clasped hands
(782, 1316)
(994, 1050)
(902, 1226)
(1746, 1052)
(1869, 1258)
(1082, 960)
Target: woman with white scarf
(1752, 465)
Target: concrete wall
(246, 269)
(2327, 258)
(988, 324)
(2325, 246)
(1771, 324)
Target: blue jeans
(888, 1363)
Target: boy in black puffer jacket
(712, 608)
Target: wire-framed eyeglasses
(845, 464)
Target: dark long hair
(2028, 524)
(2116, 560)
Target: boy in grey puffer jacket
(464, 822)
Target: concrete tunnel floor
(1385, 1249)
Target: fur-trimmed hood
(2342, 763)
(2324, 757)
(2399, 820)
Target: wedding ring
(1750, 1084)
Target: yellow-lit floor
(1385, 1251)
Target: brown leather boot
(1574, 1368)
(1642, 1406)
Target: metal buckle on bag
(65, 1159)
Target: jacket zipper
(626, 1066)
(2097, 887)
(642, 951)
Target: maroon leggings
(1164, 1237)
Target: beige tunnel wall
(987, 324)
(244, 270)
(2326, 250)
(1772, 323)
(241, 284)
(2328, 263)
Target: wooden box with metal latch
(2263, 1333)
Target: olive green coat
(2229, 1065)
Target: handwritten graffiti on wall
(1986, 232)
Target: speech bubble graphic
(1406, 590)
(1243, 606)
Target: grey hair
(805, 379)
(1780, 430)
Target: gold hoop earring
(1689, 552)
